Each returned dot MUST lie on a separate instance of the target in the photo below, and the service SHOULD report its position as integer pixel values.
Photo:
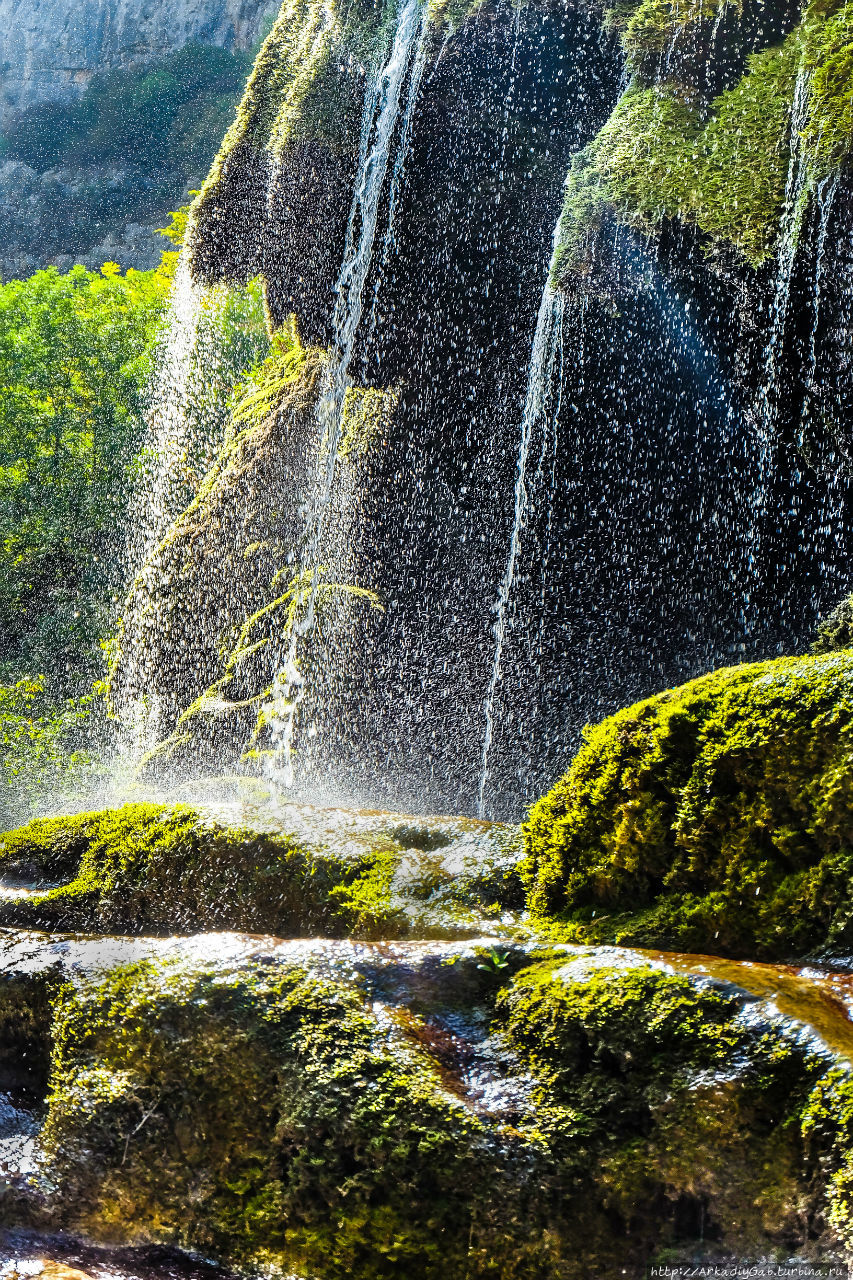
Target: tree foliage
(168, 115)
(74, 355)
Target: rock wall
(51, 50)
(685, 503)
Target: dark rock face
(685, 502)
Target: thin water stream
(546, 343)
(378, 130)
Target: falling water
(789, 236)
(379, 126)
(418, 65)
(197, 363)
(167, 415)
(165, 464)
(825, 197)
(546, 342)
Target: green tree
(75, 350)
(171, 114)
(46, 749)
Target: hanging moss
(828, 53)
(721, 167)
(659, 157)
(368, 412)
(713, 817)
(188, 585)
(652, 25)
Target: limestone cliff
(51, 50)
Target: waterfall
(789, 236)
(182, 419)
(546, 343)
(418, 66)
(825, 197)
(167, 415)
(379, 127)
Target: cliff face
(585, 494)
(51, 49)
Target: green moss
(288, 372)
(311, 1124)
(659, 156)
(827, 1124)
(828, 54)
(645, 1100)
(265, 1116)
(835, 631)
(367, 413)
(712, 817)
(651, 25)
(156, 868)
(306, 85)
(721, 167)
(153, 868)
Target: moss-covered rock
(835, 631)
(333, 1117)
(717, 816)
(199, 645)
(262, 1116)
(153, 868)
(660, 156)
(720, 162)
(647, 1085)
(218, 559)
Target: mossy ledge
(716, 817)
(155, 868)
(690, 142)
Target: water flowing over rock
(489, 1100)
(658, 488)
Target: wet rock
(156, 868)
(712, 817)
(571, 1113)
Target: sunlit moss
(659, 157)
(367, 414)
(153, 868)
(828, 54)
(650, 26)
(263, 1116)
(275, 379)
(835, 631)
(712, 817)
(722, 168)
